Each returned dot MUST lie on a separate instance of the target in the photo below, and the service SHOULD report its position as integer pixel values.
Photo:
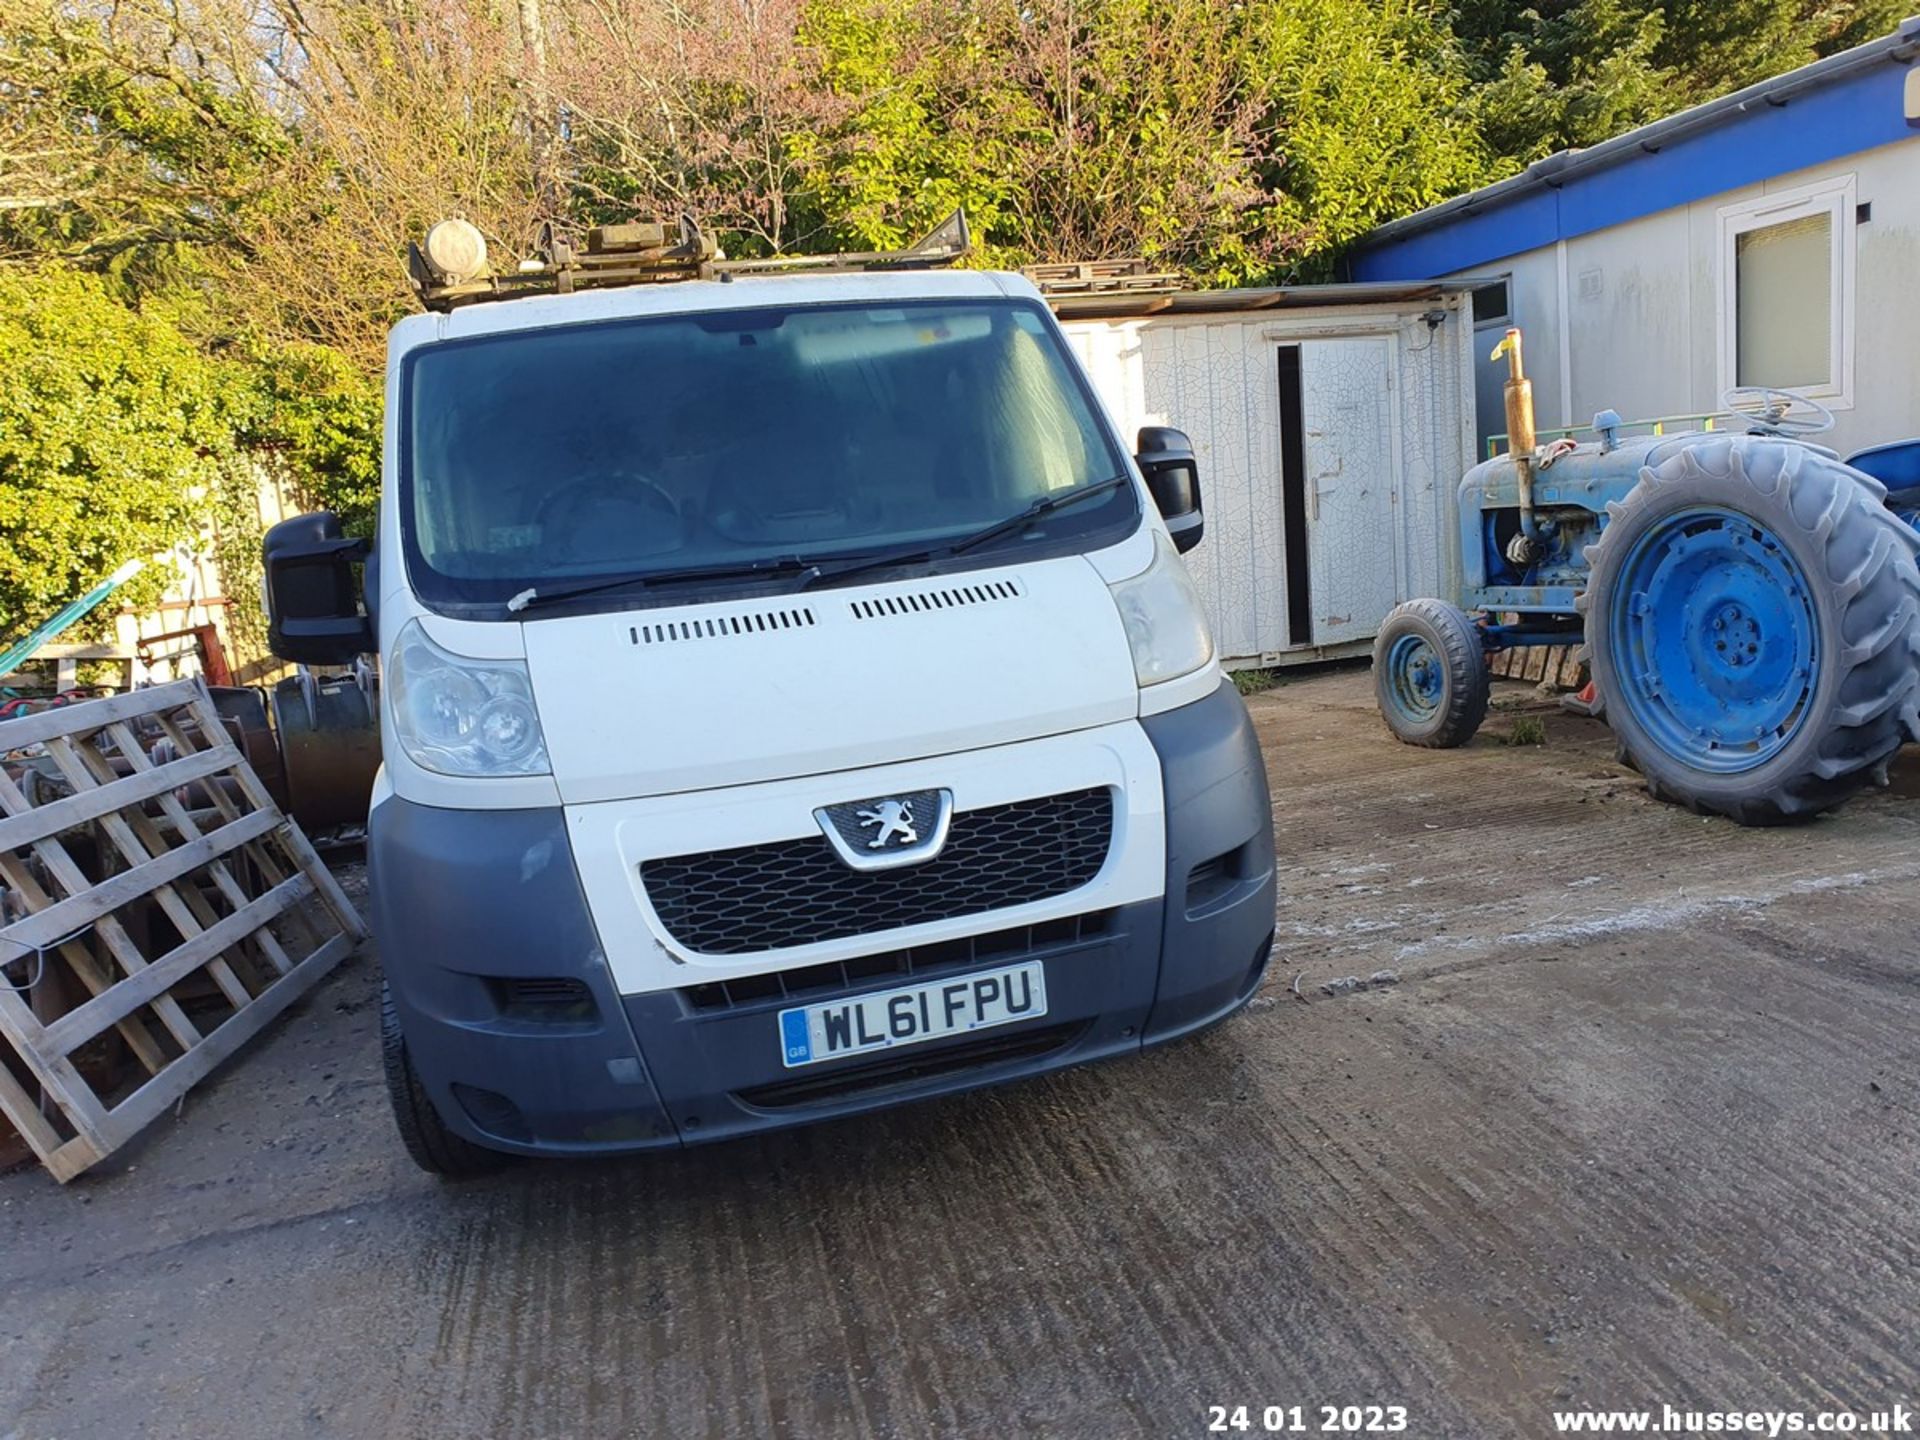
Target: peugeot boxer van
(793, 702)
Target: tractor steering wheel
(1771, 411)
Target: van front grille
(799, 892)
(920, 962)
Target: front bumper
(516, 1028)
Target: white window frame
(1833, 198)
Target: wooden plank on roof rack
(214, 899)
(1132, 275)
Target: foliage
(1374, 116)
(1227, 138)
(120, 440)
(908, 143)
(704, 108)
(312, 424)
(113, 155)
(1571, 73)
(237, 180)
(113, 431)
(316, 421)
(1526, 730)
(270, 159)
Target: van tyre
(434, 1147)
(1785, 560)
(1430, 674)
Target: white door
(1347, 416)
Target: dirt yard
(1638, 1122)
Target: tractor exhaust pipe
(1521, 441)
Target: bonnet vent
(948, 597)
(720, 627)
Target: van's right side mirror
(1165, 457)
(313, 597)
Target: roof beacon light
(456, 251)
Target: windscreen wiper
(533, 597)
(1045, 505)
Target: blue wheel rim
(1416, 679)
(1718, 645)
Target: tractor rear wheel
(1753, 622)
(1430, 674)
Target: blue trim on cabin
(1857, 113)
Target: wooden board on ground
(1557, 666)
(161, 906)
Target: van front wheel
(434, 1147)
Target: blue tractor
(1748, 602)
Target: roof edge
(1121, 305)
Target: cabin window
(1490, 303)
(1786, 292)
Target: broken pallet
(1558, 666)
(222, 910)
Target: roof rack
(644, 253)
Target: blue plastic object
(18, 654)
(1721, 648)
(1416, 679)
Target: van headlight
(1161, 612)
(457, 716)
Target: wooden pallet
(223, 910)
(1554, 665)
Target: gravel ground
(1634, 1118)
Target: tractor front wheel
(1430, 674)
(1753, 621)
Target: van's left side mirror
(313, 597)
(1165, 458)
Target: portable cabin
(1767, 237)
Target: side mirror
(313, 599)
(1165, 458)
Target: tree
(114, 433)
(1232, 139)
(404, 115)
(705, 107)
(316, 417)
(117, 155)
(1372, 113)
(1569, 73)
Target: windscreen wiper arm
(815, 570)
(532, 597)
(1045, 505)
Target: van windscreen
(564, 456)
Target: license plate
(912, 1014)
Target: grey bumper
(512, 1020)
(1220, 872)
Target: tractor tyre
(432, 1146)
(1753, 623)
(1430, 674)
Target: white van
(793, 703)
